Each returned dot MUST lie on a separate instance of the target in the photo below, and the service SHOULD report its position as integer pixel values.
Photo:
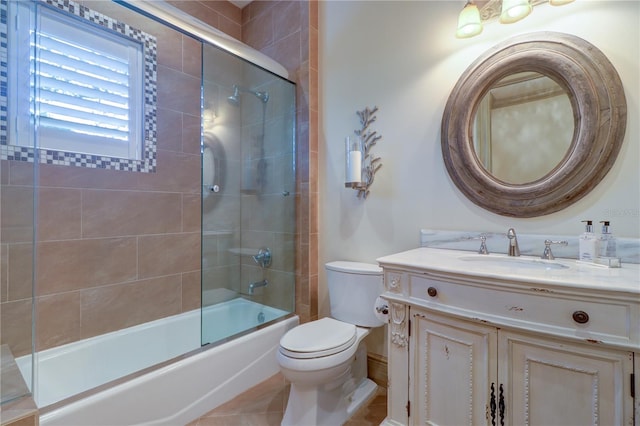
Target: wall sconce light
(472, 18)
(360, 166)
(469, 23)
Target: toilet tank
(353, 289)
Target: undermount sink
(513, 262)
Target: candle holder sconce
(361, 166)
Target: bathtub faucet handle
(263, 258)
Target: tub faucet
(514, 250)
(263, 258)
(257, 284)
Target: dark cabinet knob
(581, 317)
(432, 291)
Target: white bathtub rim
(147, 340)
(198, 401)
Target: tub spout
(257, 284)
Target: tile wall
(288, 32)
(117, 249)
(114, 248)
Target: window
(84, 82)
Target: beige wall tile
(20, 271)
(286, 19)
(175, 173)
(58, 214)
(313, 48)
(15, 328)
(169, 130)
(120, 213)
(191, 204)
(191, 134)
(225, 8)
(191, 56)
(4, 272)
(287, 51)
(168, 254)
(59, 322)
(16, 215)
(191, 291)
(77, 264)
(169, 47)
(230, 27)
(258, 32)
(124, 305)
(178, 91)
(313, 297)
(4, 172)
(197, 9)
(72, 177)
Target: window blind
(87, 86)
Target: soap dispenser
(589, 243)
(607, 241)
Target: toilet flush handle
(384, 309)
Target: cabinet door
(547, 382)
(453, 367)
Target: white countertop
(576, 274)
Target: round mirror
(523, 127)
(534, 124)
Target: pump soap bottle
(589, 243)
(607, 241)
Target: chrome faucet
(263, 258)
(514, 250)
(257, 284)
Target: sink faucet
(257, 284)
(514, 250)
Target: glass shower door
(248, 192)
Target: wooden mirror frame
(599, 110)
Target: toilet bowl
(326, 360)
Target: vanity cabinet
(465, 373)
(471, 347)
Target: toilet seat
(320, 338)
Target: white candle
(354, 171)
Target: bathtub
(174, 394)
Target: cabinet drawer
(531, 309)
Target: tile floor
(264, 404)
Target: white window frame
(25, 134)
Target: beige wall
(403, 57)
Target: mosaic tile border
(149, 43)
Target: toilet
(326, 360)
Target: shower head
(234, 99)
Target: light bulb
(469, 23)
(514, 10)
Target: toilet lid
(315, 339)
